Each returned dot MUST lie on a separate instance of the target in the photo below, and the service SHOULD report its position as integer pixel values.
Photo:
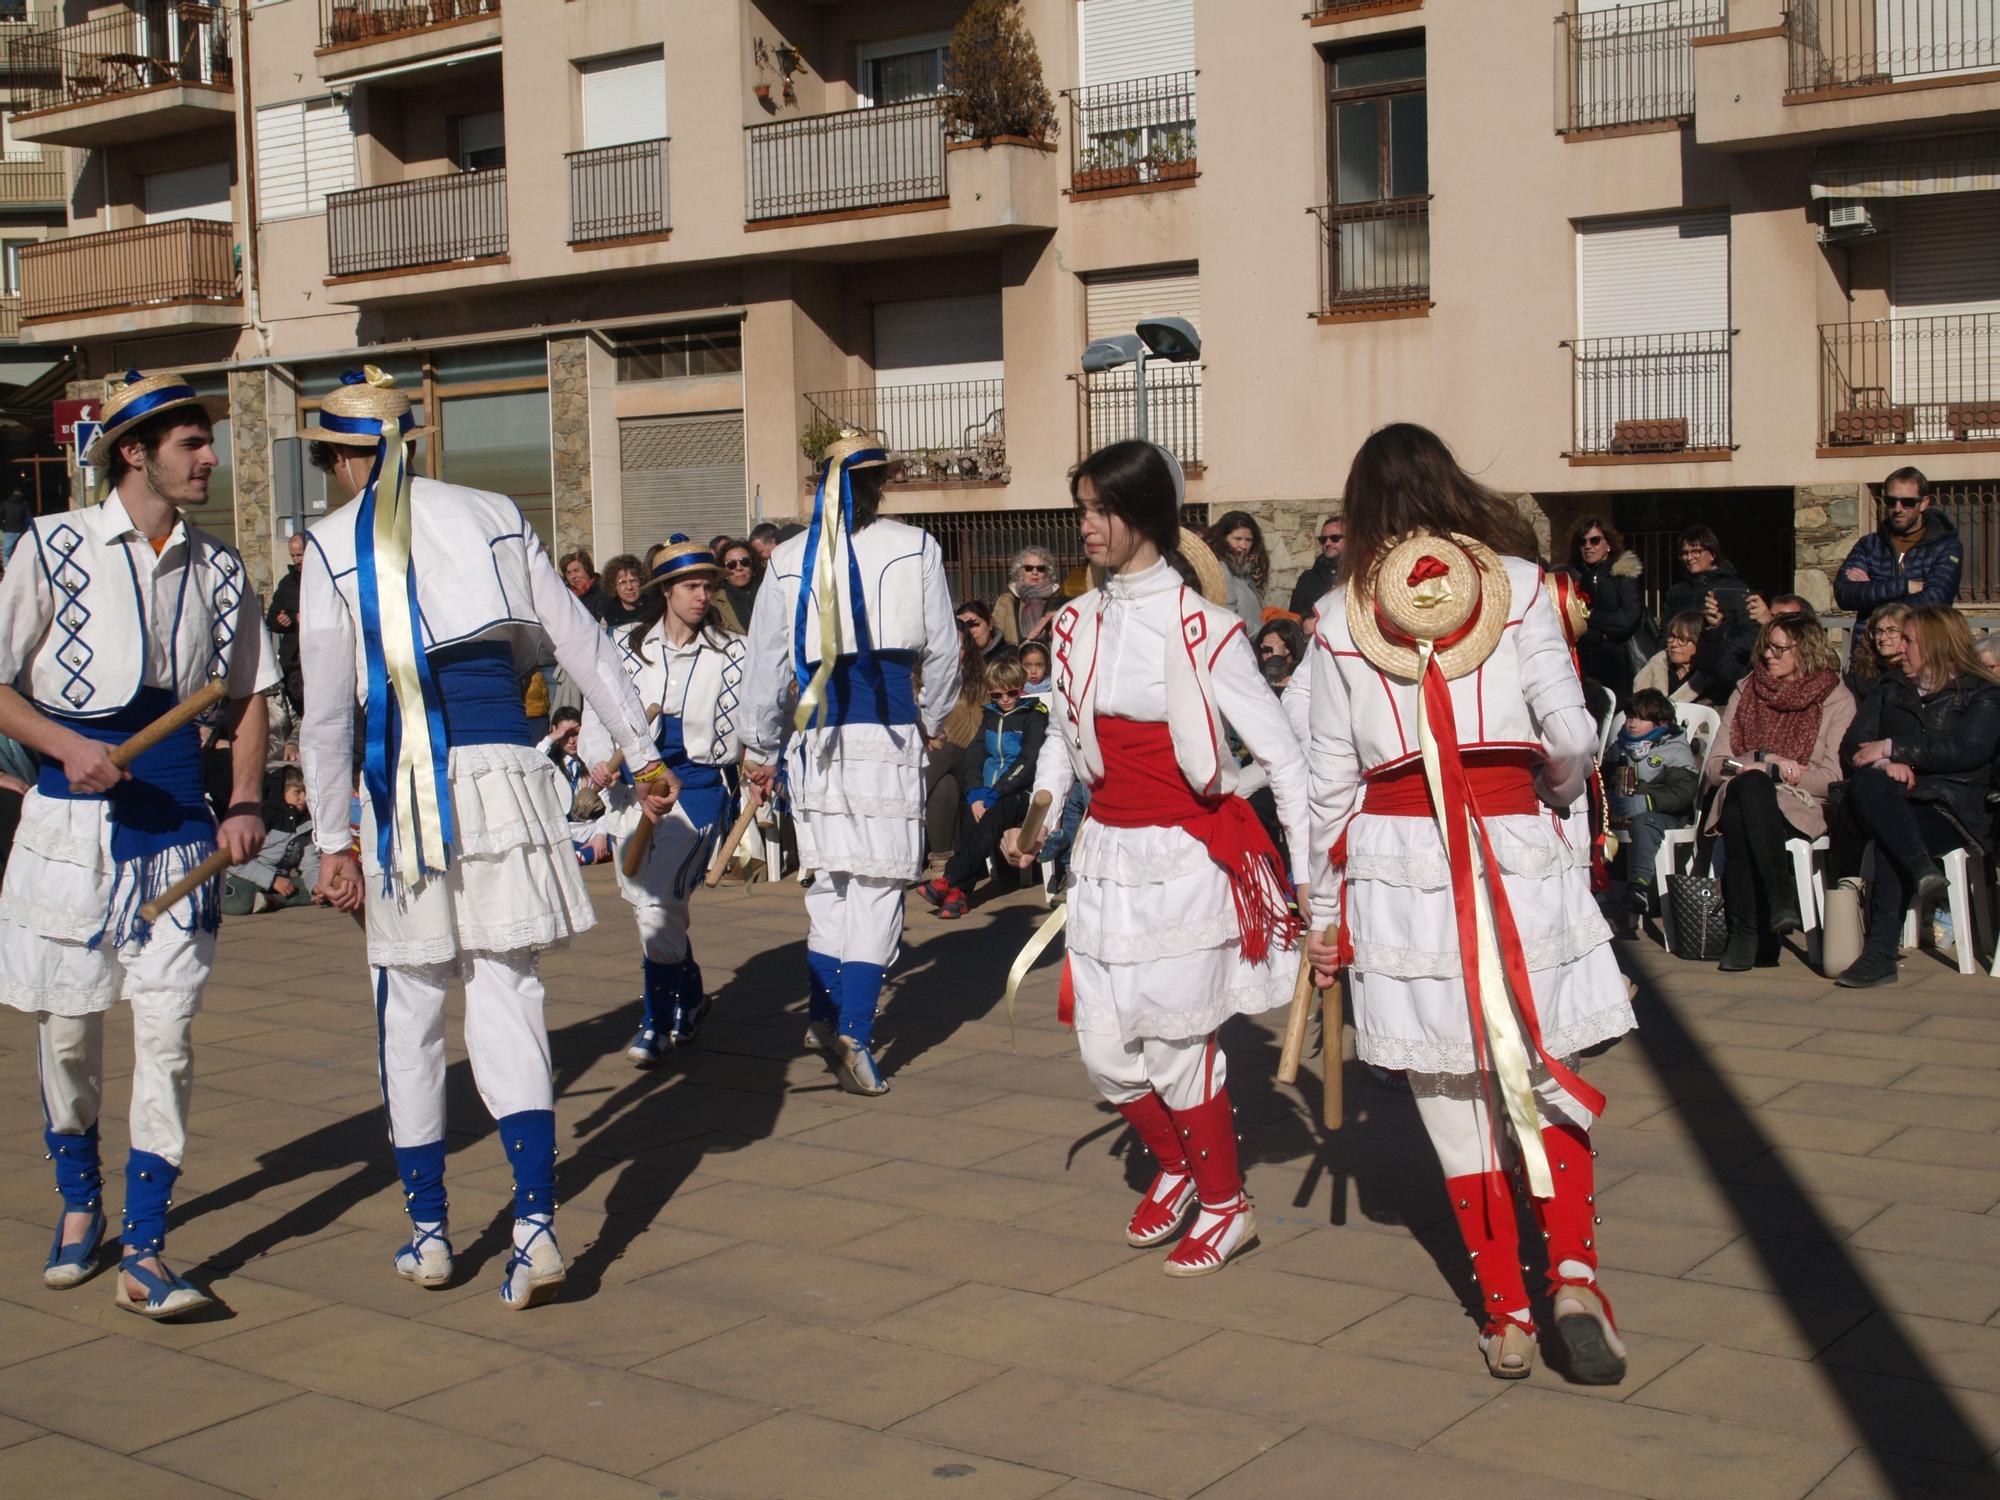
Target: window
(678, 353)
(1379, 143)
(187, 193)
(305, 150)
(906, 68)
(624, 99)
(482, 140)
(10, 268)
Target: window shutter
(188, 193)
(1126, 39)
(682, 474)
(329, 152)
(938, 338)
(1115, 304)
(624, 99)
(1944, 260)
(1666, 275)
(1175, 405)
(281, 160)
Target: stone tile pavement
(782, 1291)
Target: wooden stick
(1295, 1021)
(726, 850)
(184, 712)
(1031, 825)
(1333, 1104)
(194, 880)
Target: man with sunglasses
(1913, 557)
(1317, 581)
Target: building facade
(1723, 260)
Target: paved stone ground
(783, 1291)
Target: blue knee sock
(421, 1171)
(79, 1169)
(529, 1137)
(659, 991)
(823, 974)
(860, 988)
(149, 1186)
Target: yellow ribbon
(416, 784)
(1504, 1043)
(826, 598)
(1025, 960)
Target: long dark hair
(1404, 479)
(1258, 560)
(1604, 528)
(1134, 480)
(653, 609)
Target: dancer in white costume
(1449, 739)
(1178, 904)
(424, 602)
(854, 661)
(682, 659)
(109, 617)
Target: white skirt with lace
(1154, 947)
(1407, 984)
(857, 794)
(513, 882)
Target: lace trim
(1393, 961)
(1173, 1025)
(880, 869)
(866, 807)
(482, 760)
(57, 999)
(1431, 871)
(54, 841)
(1173, 940)
(821, 749)
(62, 924)
(1115, 862)
(1453, 1056)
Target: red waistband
(1143, 785)
(1502, 784)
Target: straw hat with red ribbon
(1450, 591)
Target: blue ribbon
(682, 563)
(368, 427)
(863, 640)
(152, 401)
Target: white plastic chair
(1808, 875)
(1701, 724)
(1965, 927)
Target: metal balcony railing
(10, 317)
(847, 162)
(1651, 393)
(426, 221)
(616, 192)
(1336, 8)
(1910, 380)
(1374, 256)
(1974, 508)
(1125, 134)
(1631, 64)
(943, 431)
(1837, 44)
(184, 260)
(31, 177)
(127, 52)
(1108, 409)
(342, 22)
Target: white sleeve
(593, 740)
(729, 725)
(1250, 708)
(941, 667)
(326, 729)
(1296, 701)
(1336, 776)
(769, 686)
(586, 653)
(253, 659)
(1555, 702)
(27, 608)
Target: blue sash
(704, 794)
(479, 699)
(877, 688)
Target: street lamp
(1171, 339)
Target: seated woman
(1777, 752)
(1670, 670)
(1922, 748)
(1878, 650)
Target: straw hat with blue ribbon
(831, 533)
(353, 412)
(143, 396)
(681, 558)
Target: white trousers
(72, 1070)
(856, 919)
(506, 1038)
(1184, 1073)
(1453, 1109)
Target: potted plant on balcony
(993, 79)
(1107, 162)
(818, 436)
(1173, 156)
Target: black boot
(1868, 971)
(1739, 906)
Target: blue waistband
(693, 775)
(877, 689)
(163, 805)
(480, 695)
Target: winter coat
(1722, 580)
(1007, 615)
(1949, 738)
(1001, 758)
(1666, 768)
(1722, 656)
(1803, 802)
(1658, 674)
(1244, 599)
(1936, 560)
(1314, 585)
(1616, 609)
(285, 601)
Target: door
(681, 474)
(939, 374)
(187, 193)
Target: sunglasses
(1593, 541)
(1034, 567)
(1901, 502)
(1329, 537)
(970, 621)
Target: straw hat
(1571, 606)
(143, 396)
(1209, 578)
(369, 394)
(680, 559)
(849, 443)
(1452, 591)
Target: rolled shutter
(1114, 304)
(624, 99)
(1127, 39)
(329, 151)
(188, 193)
(281, 160)
(1666, 275)
(1945, 259)
(682, 474)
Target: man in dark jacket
(283, 619)
(998, 772)
(1317, 581)
(1913, 557)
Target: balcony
(425, 223)
(28, 179)
(1374, 259)
(1651, 397)
(948, 432)
(155, 277)
(360, 36)
(1108, 410)
(1132, 136)
(1632, 66)
(1910, 385)
(1328, 12)
(1870, 44)
(136, 74)
(618, 193)
(10, 317)
(846, 163)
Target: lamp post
(1171, 339)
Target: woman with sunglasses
(1609, 574)
(741, 577)
(1028, 605)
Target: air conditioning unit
(1846, 219)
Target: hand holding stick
(1031, 825)
(726, 850)
(193, 881)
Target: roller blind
(1126, 39)
(624, 99)
(682, 474)
(938, 338)
(188, 193)
(1114, 304)
(305, 150)
(1666, 275)
(1945, 261)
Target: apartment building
(1716, 259)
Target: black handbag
(1701, 927)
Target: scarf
(1034, 599)
(1632, 743)
(1781, 716)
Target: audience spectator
(943, 794)
(998, 772)
(1671, 668)
(1912, 557)
(287, 867)
(1989, 650)
(1609, 574)
(976, 615)
(1878, 648)
(18, 774)
(1665, 776)
(1027, 607)
(1277, 669)
(1922, 749)
(17, 513)
(1281, 638)
(283, 619)
(625, 576)
(742, 576)
(1774, 758)
(580, 573)
(1237, 540)
(1318, 581)
(764, 541)
(1035, 662)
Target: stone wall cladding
(250, 440)
(1291, 529)
(569, 441)
(1826, 522)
